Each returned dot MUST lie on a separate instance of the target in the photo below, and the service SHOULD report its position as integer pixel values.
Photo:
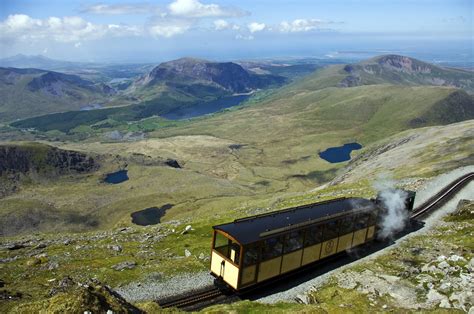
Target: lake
(116, 177)
(205, 107)
(339, 153)
(149, 216)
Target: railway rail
(212, 295)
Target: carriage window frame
(346, 225)
(272, 250)
(256, 248)
(313, 235)
(372, 218)
(293, 241)
(224, 250)
(330, 230)
(361, 221)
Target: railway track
(211, 295)
(196, 300)
(442, 196)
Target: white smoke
(395, 217)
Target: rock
(41, 246)
(173, 163)
(201, 256)
(443, 265)
(456, 258)
(62, 286)
(445, 287)
(187, 253)
(52, 265)
(434, 297)
(441, 258)
(187, 229)
(124, 265)
(302, 298)
(445, 304)
(15, 246)
(116, 248)
(110, 312)
(67, 242)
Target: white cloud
(221, 25)
(165, 27)
(120, 9)
(196, 9)
(256, 27)
(299, 25)
(78, 44)
(21, 27)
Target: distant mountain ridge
(396, 69)
(37, 61)
(201, 78)
(30, 92)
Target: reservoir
(203, 108)
(339, 153)
(149, 216)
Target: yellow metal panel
(216, 260)
(345, 242)
(329, 247)
(291, 261)
(248, 274)
(359, 237)
(269, 269)
(311, 254)
(230, 273)
(370, 232)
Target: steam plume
(395, 217)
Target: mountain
(30, 92)
(38, 61)
(202, 79)
(395, 69)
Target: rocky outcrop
(39, 158)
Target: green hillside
(31, 92)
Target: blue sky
(136, 31)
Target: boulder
(187, 253)
(124, 265)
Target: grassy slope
(19, 102)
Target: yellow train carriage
(255, 249)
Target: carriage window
(272, 248)
(331, 230)
(346, 225)
(251, 254)
(227, 248)
(293, 241)
(372, 218)
(313, 236)
(361, 221)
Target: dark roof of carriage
(251, 229)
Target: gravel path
(428, 189)
(153, 289)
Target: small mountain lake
(116, 177)
(205, 107)
(339, 153)
(149, 216)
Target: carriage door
(250, 264)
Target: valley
(413, 120)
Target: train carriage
(255, 249)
